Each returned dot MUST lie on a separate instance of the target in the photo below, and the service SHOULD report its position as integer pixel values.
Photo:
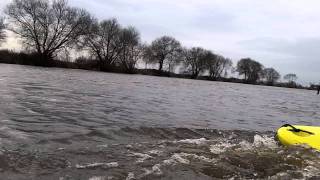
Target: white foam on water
(221, 147)
(259, 141)
(97, 178)
(142, 157)
(201, 158)
(129, 146)
(194, 141)
(103, 146)
(94, 165)
(264, 141)
(245, 145)
(130, 176)
(155, 152)
(280, 175)
(154, 170)
(311, 170)
(175, 159)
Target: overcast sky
(284, 34)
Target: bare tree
(47, 26)
(291, 78)
(175, 60)
(195, 60)
(131, 48)
(103, 41)
(163, 50)
(147, 53)
(217, 65)
(2, 33)
(251, 69)
(270, 75)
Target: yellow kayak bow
(299, 135)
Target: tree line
(48, 29)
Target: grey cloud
(179, 19)
(303, 47)
(212, 20)
(300, 56)
(235, 28)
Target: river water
(74, 124)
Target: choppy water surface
(74, 124)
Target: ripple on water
(219, 154)
(154, 128)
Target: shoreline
(157, 73)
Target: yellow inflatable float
(299, 135)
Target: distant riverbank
(9, 57)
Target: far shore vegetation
(51, 31)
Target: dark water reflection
(64, 115)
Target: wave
(164, 153)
